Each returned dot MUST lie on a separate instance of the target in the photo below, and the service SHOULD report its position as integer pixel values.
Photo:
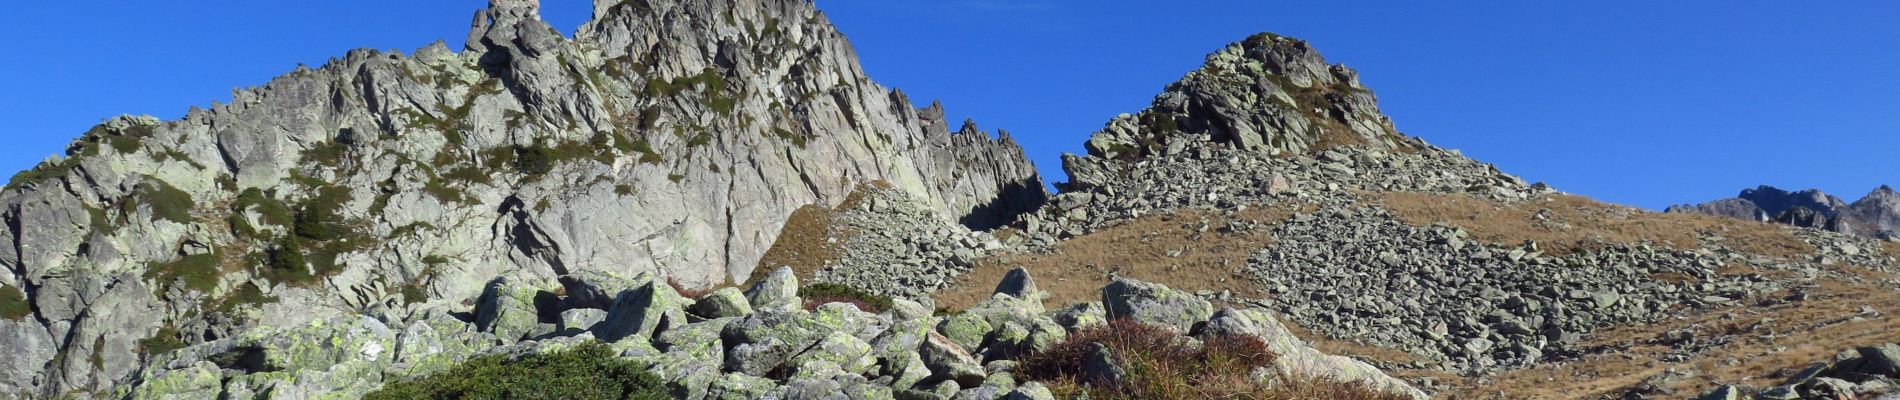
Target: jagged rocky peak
(1269, 93)
(670, 138)
(1875, 215)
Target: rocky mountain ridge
(388, 216)
(668, 137)
(1876, 215)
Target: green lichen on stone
(200, 381)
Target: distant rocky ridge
(668, 137)
(1876, 215)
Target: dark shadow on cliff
(1016, 198)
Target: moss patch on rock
(13, 304)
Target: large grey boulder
(948, 361)
(507, 310)
(778, 291)
(642, 312)
(1295, 358)
(599, 289)
(1018, 283)
(722, 303)
(1154, 304)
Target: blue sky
(1641, 103)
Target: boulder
(949, 361)
(1017, 283)
(778, 291)
(1155, 304)
(641, 312)
(722, 303)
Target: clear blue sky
(1643, 103)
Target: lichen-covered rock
(737, 386)
(778, 291)
(722, 303)
(598, 289)
(637, 314)
(949, 361)
(29, 348)
(200, 381)
(507, 309)
(698, 340)
(850, 354)
(579, 320)
(1081, 315)
(1030, 391)
(1295, 358)
(1154, 304)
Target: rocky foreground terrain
(711, 199)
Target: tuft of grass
(318, 220)
(590, 371)
(13, 304)
(196, 272)
(469, 174)
(440, 189)
(165, 341)
(328, 153)
(1160, 364)
(246, 294)
(270, 210)
(166, 202)
(819, 294)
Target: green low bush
(166, 202)
(13, 304)
(318, 220)
(165, 341)
(588, 372)
(270, 210)
(196, 272)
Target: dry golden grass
(806, 243)
(801, 245)
(1767, 340)
(1140, 248)
(1892, 248)
(1561, 224)
(682, 289)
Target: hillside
(671, 138)
(710, 200)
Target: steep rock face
(1877, 215)
(669, 137)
